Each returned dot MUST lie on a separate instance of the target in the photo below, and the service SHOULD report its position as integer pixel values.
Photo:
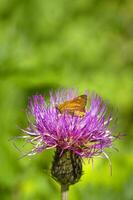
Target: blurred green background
(48, 44)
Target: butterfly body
(75, 106)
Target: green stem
(64, 192)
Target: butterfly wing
(75, 106)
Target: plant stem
(64, 192)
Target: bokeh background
(50, 44)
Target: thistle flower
(74, 129)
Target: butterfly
(74, 107)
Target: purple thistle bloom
(85, 136)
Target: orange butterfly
(75, 106)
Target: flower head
(76, 127)
(67, 123)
